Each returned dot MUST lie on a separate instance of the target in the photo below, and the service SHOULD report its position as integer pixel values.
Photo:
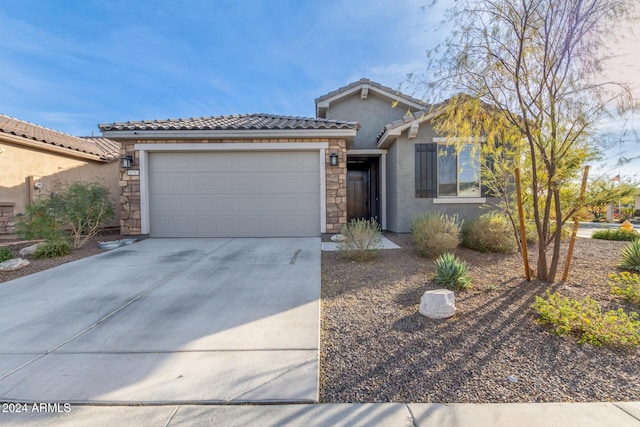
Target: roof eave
(324, 104)
(389, 136)
(230, 134)
(47, 146)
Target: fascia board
(14, 139)
(391, 96)
(230, 134)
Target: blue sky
(72, 64)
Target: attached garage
(248, 175)
(234, 194)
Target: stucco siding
(392, 193)
(408, 205)
(373, 113)
(18, 163)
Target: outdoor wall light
(127, 162)
(333, 159)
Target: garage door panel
(234, 194)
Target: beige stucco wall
(336, 179)
(18, 162)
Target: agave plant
(630, 256)
(451, 272)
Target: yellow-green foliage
(435, 234)
(586, 319)
(627, 285)
(491, 232)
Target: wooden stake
(574, 233)
(30, 189)
(523, 231)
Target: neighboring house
(34, 160)
(371, 152)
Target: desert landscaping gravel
(376, 347)
(92, 247)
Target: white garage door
(234, 194)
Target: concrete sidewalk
(623, 414)
(333, 246)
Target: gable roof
(25, 133)
(394, 129)
(365, 85)
(234, 125)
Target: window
(442, 171)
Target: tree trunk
(555, 259)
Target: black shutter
(426, 170)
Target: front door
(357, 194)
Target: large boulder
(438, 304)
(30, 250)
(13, 264)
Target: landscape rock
(30, 250)
(13, 264)
(338, 238)
(438, 304)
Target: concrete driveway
(167, 320)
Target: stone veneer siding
(336, 180)
(6, 217)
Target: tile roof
(234, 122)
(362, 81)
(102, 149)
(418, 117)
(406, 119)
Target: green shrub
(81, 208)
(435, 234)
(5, 254)
(630, 256)
(451, 272)
(53, 249)
(362, 240)
(586, 319)
(40, 220)
(491, 232)
(615, 234)
(85, 208)
(627, 285)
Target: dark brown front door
(357, 191)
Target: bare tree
(538, 65)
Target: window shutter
(426, 170)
